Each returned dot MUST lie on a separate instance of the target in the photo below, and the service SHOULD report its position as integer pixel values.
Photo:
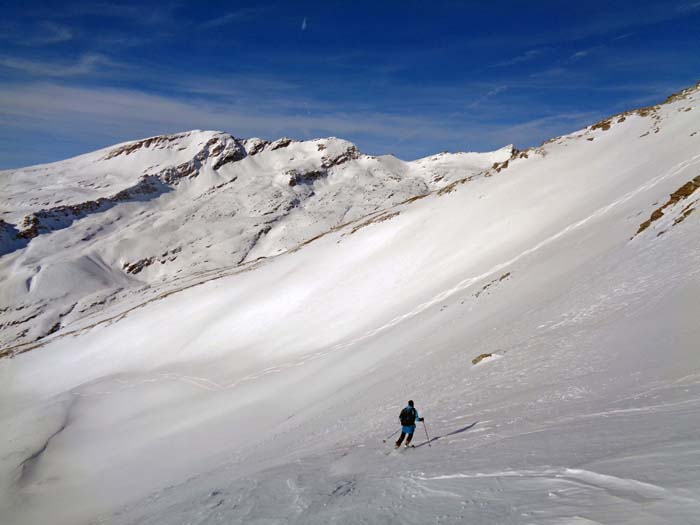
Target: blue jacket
(410, 429)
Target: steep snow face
(264, 394)
(92, 231)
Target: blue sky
(409, 78)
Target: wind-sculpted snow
(262, 393)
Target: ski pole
(390, 436)
(426, 432)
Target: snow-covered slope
(261, 393)
(90, 231)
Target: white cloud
(86, 118)
(692, 6)
(46, 34)
(133, 113)
(525, 57)
(621, 37)
(579, 54)
(549, 126)
(583, 53)
(233, 16)
(491, 93)
(551, 73)
(86, 64)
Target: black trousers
(403, 435)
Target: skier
(408, 417)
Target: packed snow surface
(268, 390)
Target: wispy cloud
(238, 15)
(47, 33)
(135, 13)
(548, 126)
(35, 34)
(234, 85)
(621, 37)
(136, 113)
(583, 53)
(580, 54)
(618, 18)
(303, 24)
(45, 109)
(525, 57)
(86, 64)
(552, 72)
(692, 6)
(491, 93)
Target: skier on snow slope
(408, 418)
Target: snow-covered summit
(106, 172)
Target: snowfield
(255, 382)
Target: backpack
(408, 416)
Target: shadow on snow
(458, 431)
